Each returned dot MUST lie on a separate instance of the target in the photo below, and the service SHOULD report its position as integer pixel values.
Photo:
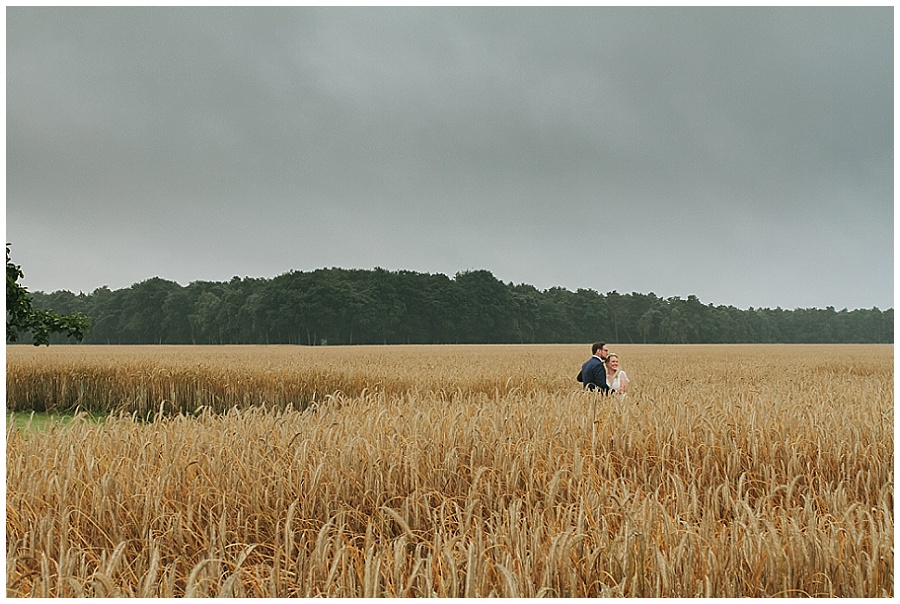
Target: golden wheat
(729, 471)
(145, 380)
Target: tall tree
(22, 318)
(488, 308)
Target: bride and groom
(601, 371)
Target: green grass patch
(36, 421)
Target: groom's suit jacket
(593, 375)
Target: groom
(593, 372)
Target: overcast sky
(743, 155)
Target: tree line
(354, 306)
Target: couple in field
(601, 372)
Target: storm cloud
(743, 155)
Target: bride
(615, 377)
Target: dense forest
(342, 306)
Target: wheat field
(451, 471)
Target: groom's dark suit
(593, 375)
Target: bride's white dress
(620, 380)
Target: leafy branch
(22, 318)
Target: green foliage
(343, 306)
(22, 318)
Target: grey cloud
(438, 139)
